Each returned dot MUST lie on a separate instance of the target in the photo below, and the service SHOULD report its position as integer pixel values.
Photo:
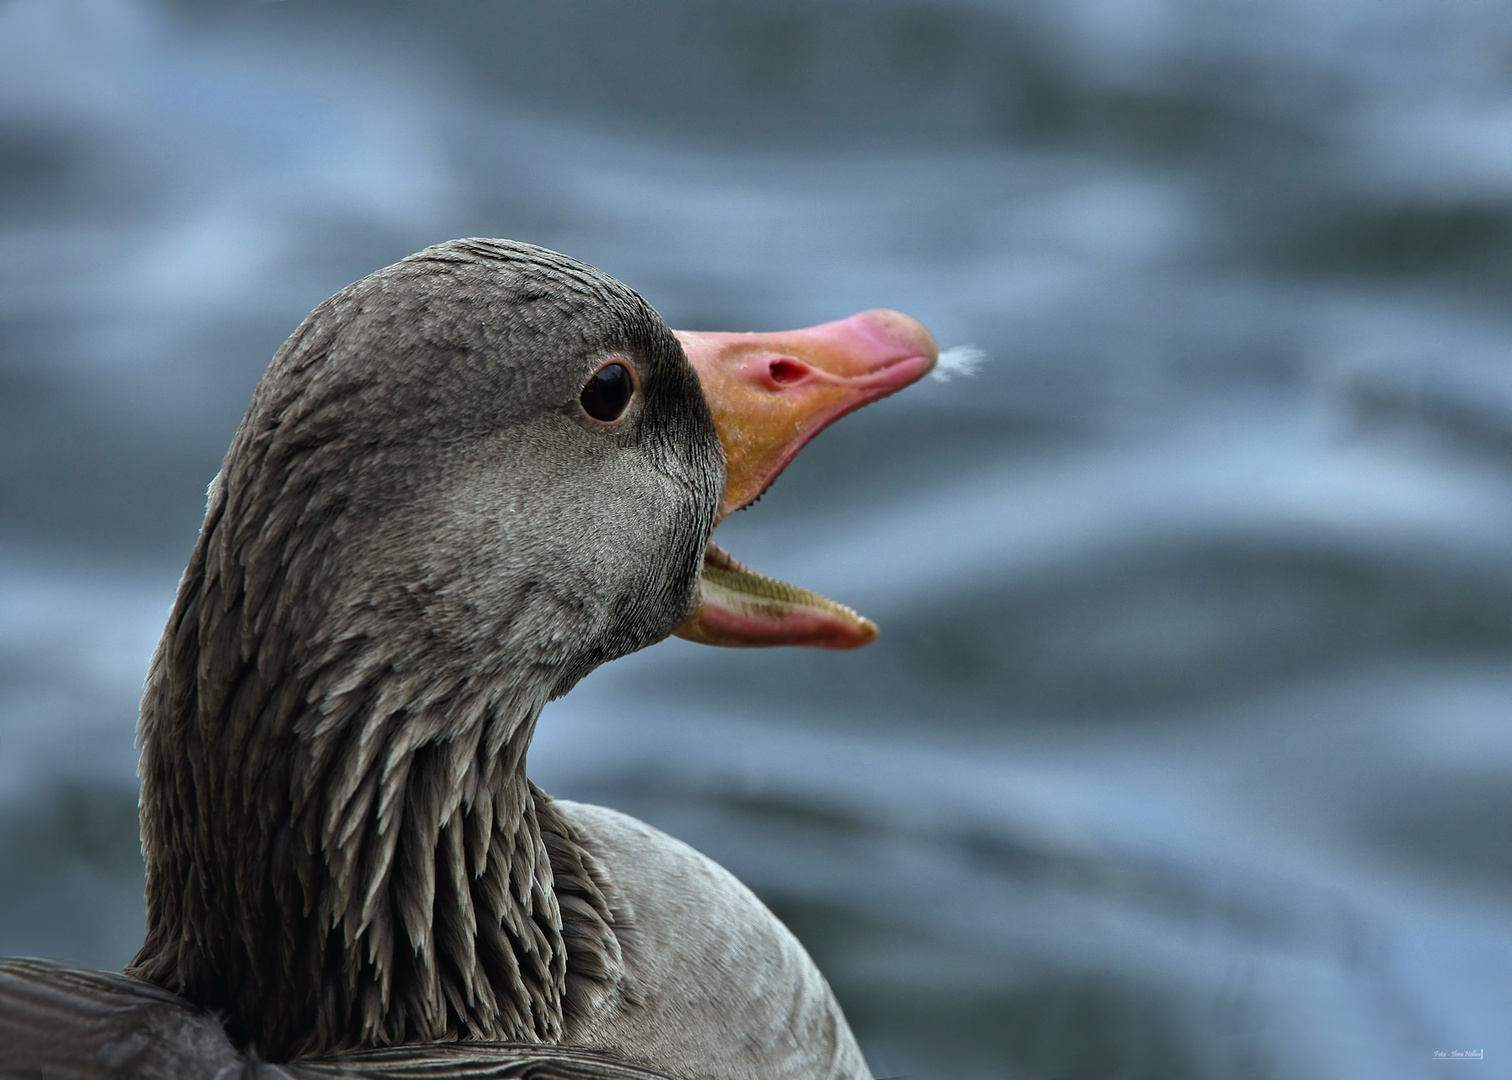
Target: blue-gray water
(1187, 749)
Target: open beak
(770, 394)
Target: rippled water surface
(1187, 748)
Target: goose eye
(607, 392)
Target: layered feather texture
(342, 846)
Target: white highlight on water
(963, 360)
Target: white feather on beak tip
(963, 360)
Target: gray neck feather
(342, 846)
(350, 856)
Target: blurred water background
(1186, 749)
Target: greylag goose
(463, 483)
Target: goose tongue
(770, 394)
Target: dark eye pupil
(607, 392)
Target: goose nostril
(787, 372)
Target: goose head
(463, 483)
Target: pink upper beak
(771, 393)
